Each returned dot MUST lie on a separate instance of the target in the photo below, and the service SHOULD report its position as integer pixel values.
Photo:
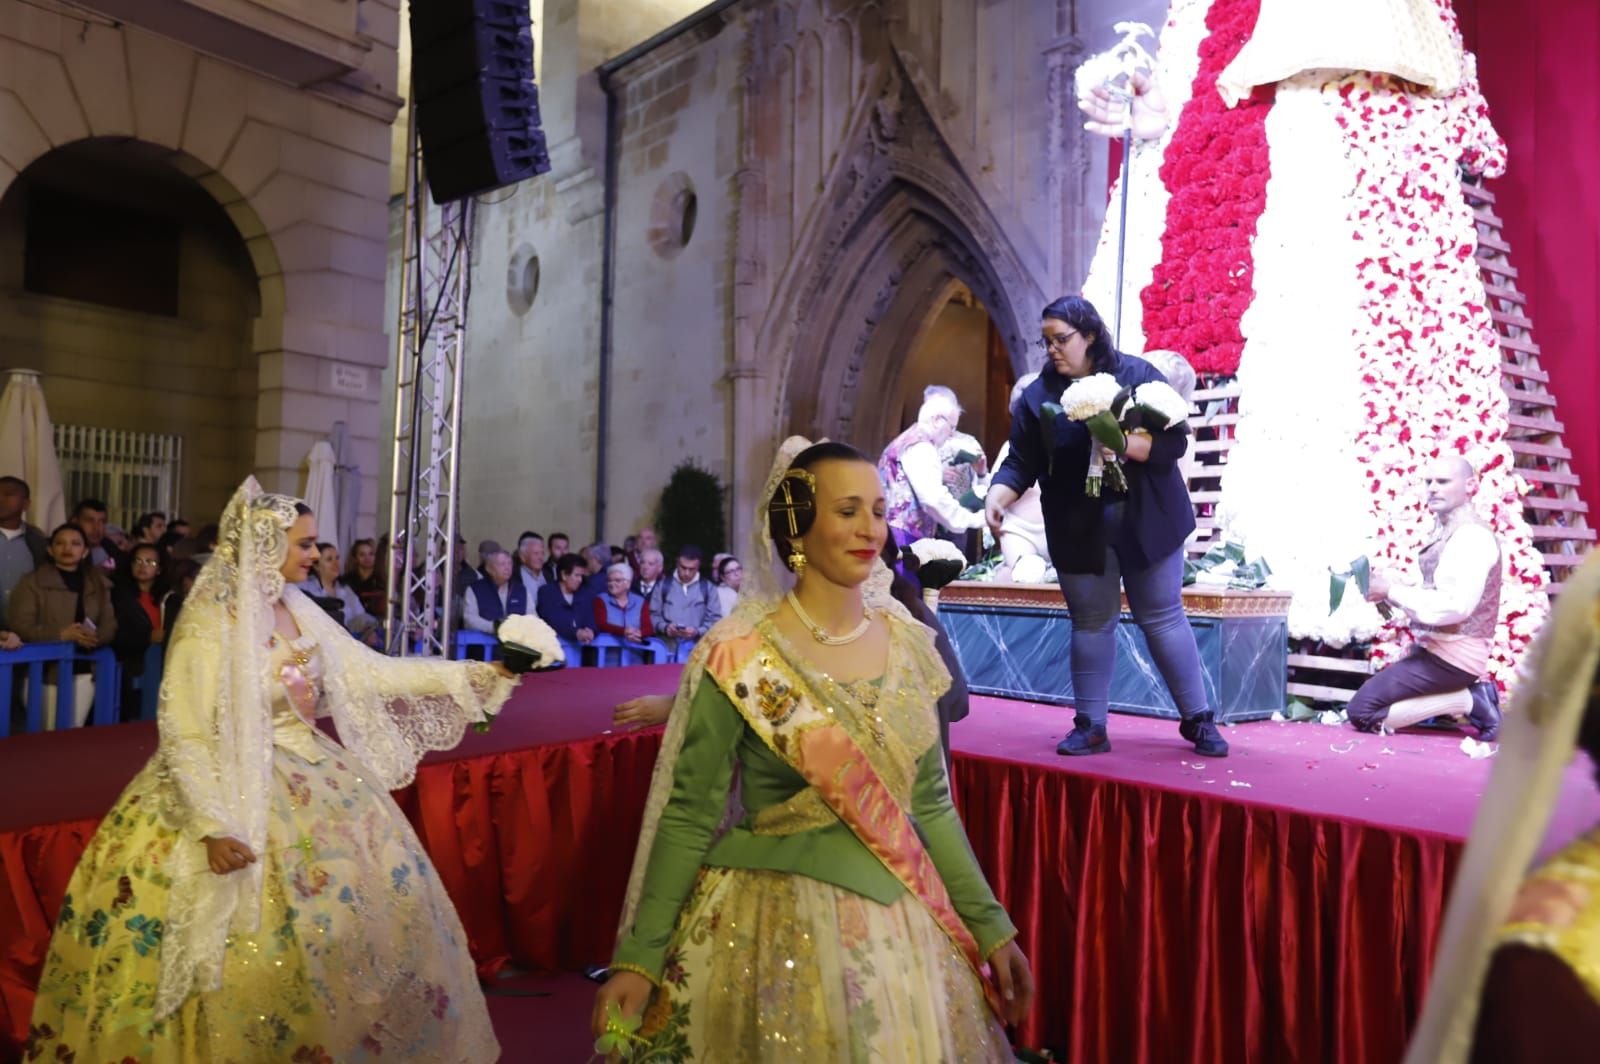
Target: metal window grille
(133, 472)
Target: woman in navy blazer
(1103, 544)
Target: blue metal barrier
(34, 657)
(148, 683)
(611, 651)
(465, 641)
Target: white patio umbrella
(319, 494)
(346, 484)
(28, 449)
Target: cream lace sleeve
(187, 718)
(392, 711)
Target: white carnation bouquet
(1090, 401)
(938, 562)
(528, 644)
(1111, 413)
(1152, 407)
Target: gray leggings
(1155, 595)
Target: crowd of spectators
(95, 585)
(90, 583)
(599, 590)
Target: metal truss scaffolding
(430, 340)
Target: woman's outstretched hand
(642, 712)
(1148, 116)
(629, 991)
(1014, 980)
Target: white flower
(937, 550)
(1163, 399)
(1030, 570)
(1089, 396)
(527, 631)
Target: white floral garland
(1292, 489)
(1369, 346)
(1429, 353)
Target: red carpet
(1280, 905)
(542, 1018)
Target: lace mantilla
(215, 717)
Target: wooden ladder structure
(1556, 515)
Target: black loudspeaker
(477, 105)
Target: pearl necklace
(821, 634)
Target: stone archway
(131, 289)
(904, 221)
(896, 220)
(872, 310)
(303, 178)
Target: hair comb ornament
(790, 507)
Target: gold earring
(797, 562)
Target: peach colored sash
(776, 704)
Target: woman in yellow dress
(255, 894)
(843, 917)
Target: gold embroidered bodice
(290, 730)
(1558, 911)
(890, 718)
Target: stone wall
(300, 167)
(847, 162)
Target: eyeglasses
(147, 563)
(1060, 341)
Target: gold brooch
(776, 700)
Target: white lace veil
(1536, 745)
(216, 750)
(216, 737)
(766, 581)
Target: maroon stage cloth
(1281, 905)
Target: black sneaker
(1200, 730)
(1485, 715)
(1085, 738)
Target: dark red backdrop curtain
(1540, 68)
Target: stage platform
(1015, 641)
(1282, 904)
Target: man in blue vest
(562, 604)
(492, 600)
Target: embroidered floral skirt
(360, 956)
(770, 966)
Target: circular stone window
(674, 211)
(522, 279)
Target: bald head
(1448, 484)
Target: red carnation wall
(1217, 168)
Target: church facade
(793, 191)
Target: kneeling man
(1453, 615)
